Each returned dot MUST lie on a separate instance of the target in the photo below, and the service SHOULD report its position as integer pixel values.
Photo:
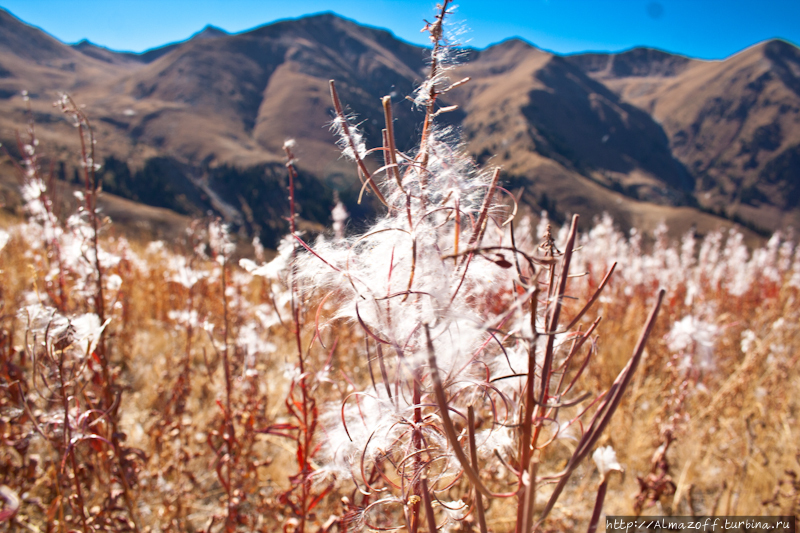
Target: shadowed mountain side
(587, 125)
(561, 192)
(253, 198)
(131, 219)
(531, 101)
(638, 62)
(735, 124)
(29, 43)
(33, 61)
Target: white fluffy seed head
(606, 460)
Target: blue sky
(709, 29)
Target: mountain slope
(269, 84)
(572, 143)
(211, 115)
(735, 124)
(198, 126)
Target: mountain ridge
(635, 128)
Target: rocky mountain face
(198, 126)
(734, 124)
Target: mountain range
(198, 126)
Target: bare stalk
(598, 506)
(307, 415)
(480, 514)
(447, 424)
(606, 410)
(109, 388)
(352, 144)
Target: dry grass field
(458, 366)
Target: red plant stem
(593, 299)
(305, 435)
(530, 499)
(229, 437)
(555, 311)
(598, 506)
(606, 410)
(527, 422)
(346, 129)
(457, 229)
(416, 440)
(473, 452)
(187, 363)
(551, 325)
(449, 428)
(435, 30)
(90, 197)
(68, 448)
(480, 226)
(390, 143)
(477, 231)
(426, 499)
(384, 373)
(577, 346)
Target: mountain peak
(86, 44)
(29, 42)
(781, 47)
(209, 32)
(636, 62)
(512, 42)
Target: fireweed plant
(719, 379)
(73, 400)
(63, 393)
(443, 369)
(473, 345)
